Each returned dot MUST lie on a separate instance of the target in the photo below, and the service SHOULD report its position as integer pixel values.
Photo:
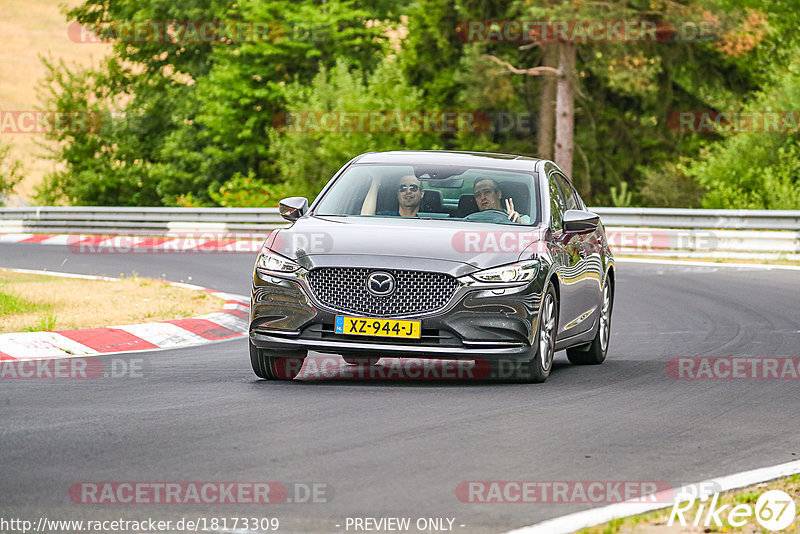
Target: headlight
(271, 263)
(516, 272)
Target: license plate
(364, 326)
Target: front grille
(345, 289)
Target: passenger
(409, 197)
(489, 196)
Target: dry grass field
(32, 302)
(31, 29)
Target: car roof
(447, 157)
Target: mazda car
(435, 255)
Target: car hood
(455, 247)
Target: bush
(10, 172)
(248, 192)
(668, 186)
(755, 170)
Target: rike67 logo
(774, 511)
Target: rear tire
(268, 366)
(597, 350)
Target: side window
(569, 192)
(581, 204)
(557, 206)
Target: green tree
(308, 155)
(756, 170)
(199, 123)
(759, 170)
(10, 172)
(625, 91)
(182, 119)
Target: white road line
(14, 238)
(708, 264)
(597, 516)
(62, 239)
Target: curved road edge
(228, 323)
(699, 491)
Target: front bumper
(479, 321)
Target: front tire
(268, 366)
(597, 350)
(537, 369)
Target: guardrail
(745, 234)
(137, 221)
(687, 218)
(715, 234)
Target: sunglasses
(411, 187)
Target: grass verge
(30, 302)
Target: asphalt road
(398, 448)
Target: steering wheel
(493, 216)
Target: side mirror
(580, 222)
(293, 208)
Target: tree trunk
(547, 103)
(565, 107)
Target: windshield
(442, 192)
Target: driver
(409, 197)
(488, 196)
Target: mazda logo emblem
(380, 284)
